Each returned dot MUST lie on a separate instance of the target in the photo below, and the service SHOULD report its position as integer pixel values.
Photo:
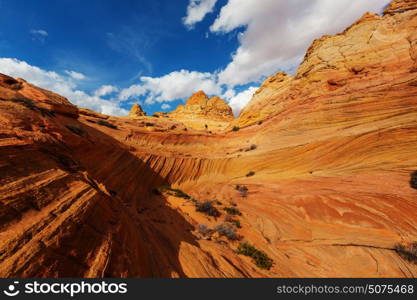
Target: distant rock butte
(318, 164)
(137, 111)
(200, 106)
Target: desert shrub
(408, 252)
(232, 211)
(173, 127)
(106, 124)
(260, 258)
(236, 128)
(251, 148)
(203, 229)
(207, 208)
(148, 124)
(260, 122)
(243, 190)
(175, 192)
(75, 129)
(235, 222)
(250, 174)
(413, 180)
(206, 126)
(226, 230)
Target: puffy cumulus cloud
(60, 84)
(277, 33)
(132, 92)
(105, 90)
(173, 86)
(197, 10)
(75, 75)
(165, 106)
(238, 101)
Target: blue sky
(106, 55)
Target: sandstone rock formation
(318, 169)
(398, 6)
(137, 111)
(202, 112)
(200, 106)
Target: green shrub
(174, 192)
(413, 180)
(260, 258)
(235, 222)
(232, 211)
(207, 208)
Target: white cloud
(239, 101)
(132, 92)
(105, 90)
(173, 86)
(230, 93)
(75, 75)
(60, 84)
(165, 106)
(39, 35)
(197, 10)
(39, 32)
(278, 32)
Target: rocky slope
(317, 171)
